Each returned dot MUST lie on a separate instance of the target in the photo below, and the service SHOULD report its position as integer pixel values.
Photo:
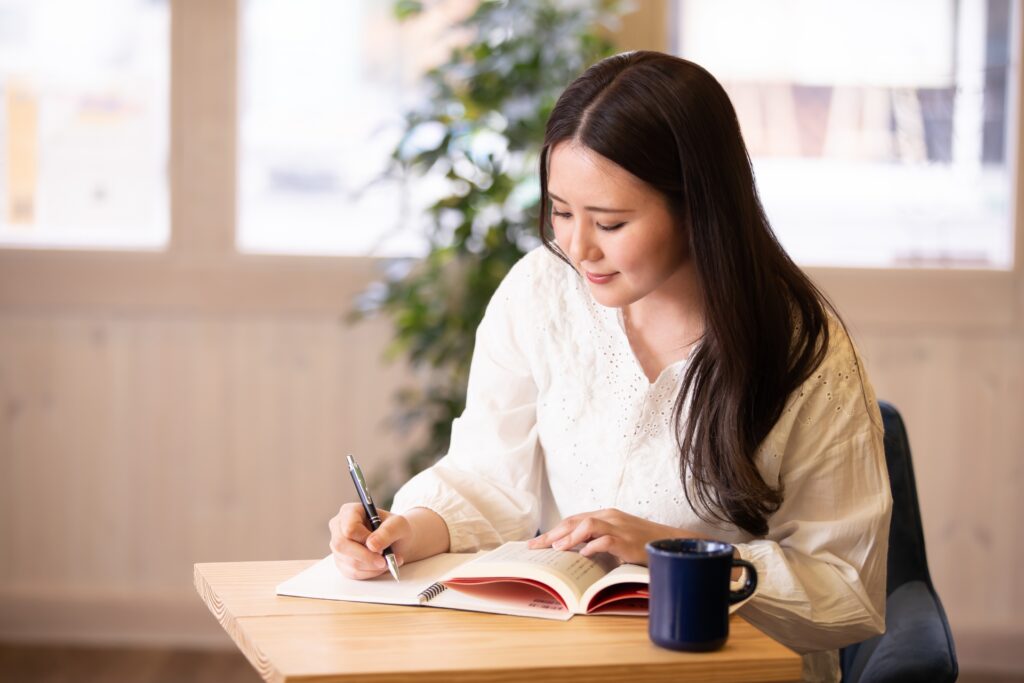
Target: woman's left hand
(609, 531)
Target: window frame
(202, 272)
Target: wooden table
(299, 639)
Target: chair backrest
(917, 644)
(907, 558)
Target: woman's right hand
(358, 551)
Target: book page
(633, 580)
(512, 600)
(323, 580)
(565, 571)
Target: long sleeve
(822, 566)
(488, 487)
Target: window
(201, 270)
(84, 123)
(878, 129)
(323, 88)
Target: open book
(512, 579)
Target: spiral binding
(432, 592)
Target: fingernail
(559, 544)
(381, 563)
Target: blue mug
(690, 593)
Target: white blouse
(561, 419)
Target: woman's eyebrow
(598, 209)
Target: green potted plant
(485, 112)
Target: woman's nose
(583, 247)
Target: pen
(371, 511)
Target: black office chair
(917, 644)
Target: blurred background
(241, 238)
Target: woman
(662, 369)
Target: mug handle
(748, 587)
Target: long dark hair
(670, 123)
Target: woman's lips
(599, 278)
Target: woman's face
(616, 229)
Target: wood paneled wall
(962, 397)
(131, 447)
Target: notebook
(512, 579)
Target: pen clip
(357, 475)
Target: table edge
(264, 667)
